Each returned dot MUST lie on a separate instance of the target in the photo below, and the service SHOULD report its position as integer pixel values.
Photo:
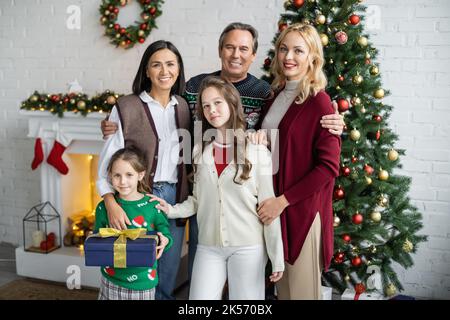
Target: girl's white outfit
(232, 242)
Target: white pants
(243, 266)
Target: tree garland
(72, 102)
(127, 37)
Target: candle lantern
(42, 229)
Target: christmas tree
(375, 222)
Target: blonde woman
(308, 161)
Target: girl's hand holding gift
(163, 241)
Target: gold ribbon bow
(120, 245)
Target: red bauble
(55, 98)
(116, 26)
(338, 193)
(282, 26)
(46, 245)
(354, 19)
(152, 10)
(339, 257)
(346, 171)
(341, 37)
(141, 40)
(354, 159)
(368, 61)
(356, 261)
(123, 30)
(360, 288)
(342, 105)
(111, 8)
(51, 236)
(357, 218)
(378, 135)
(368, 169)
(128, 41)
(298, 3)
(143, 26)
(340, 78)
(346, 238)
(116, 10)
(377, 118)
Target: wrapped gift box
(350, 294)
(141, 252)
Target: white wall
(38, 52)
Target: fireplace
(72, 195)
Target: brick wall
(38, 52)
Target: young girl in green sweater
(126, 172)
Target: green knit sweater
(142, 214)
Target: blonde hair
(314, 80)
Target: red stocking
(55, 158)
(38, 154)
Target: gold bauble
(407, 246)
(141, 33)
(324, 39)
(72, 101)
(373, 249)
(321, 19)
(107, 12)
(367, 55)
(383, 200)
(123, 44)
(375, 216)
(117, 35)
(338, 88)
(383, 175)
(390, 290)
(336, 221)
(355, 101)
(362, 41)
(363, 109)
(374, 70)
(34, 98)
(81, 105)
(347, 278)
(111, 100)
(123, 2)
(103, 20)
(368, 180)
(145, 17)
(355, 135)
(358, 79)
(379, 93)
(392, 155)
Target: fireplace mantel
(85, 138)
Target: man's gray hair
(240, 26)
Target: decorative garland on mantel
(127, 37)
(71, 102)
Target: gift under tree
(375, 222)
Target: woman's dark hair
(142, 82)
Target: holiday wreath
(126, 37)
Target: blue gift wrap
(140, 252)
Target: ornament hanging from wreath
(127, 36)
